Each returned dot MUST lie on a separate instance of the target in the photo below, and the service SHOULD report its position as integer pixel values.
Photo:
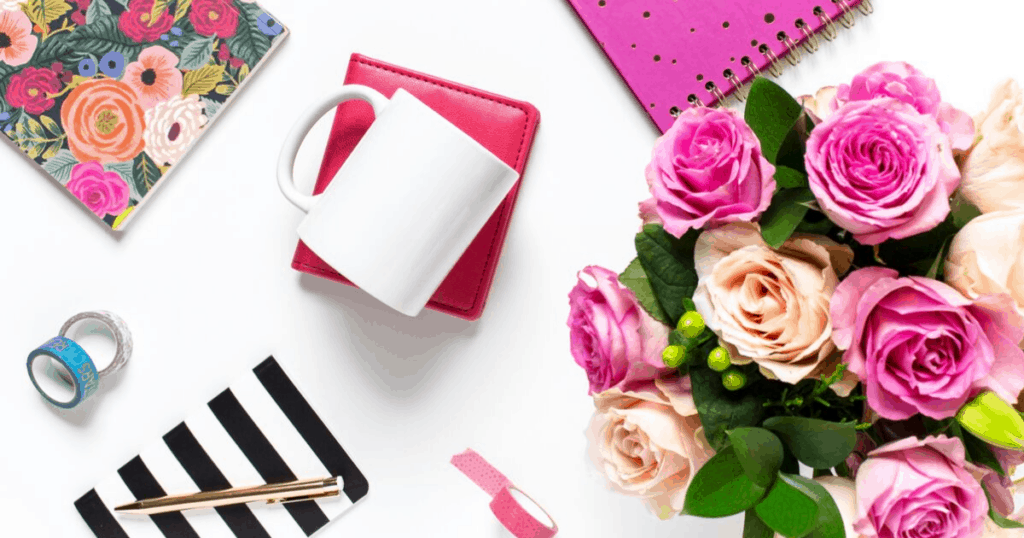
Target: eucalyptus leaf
(817, 443)
(60, 165)
(787, 211)
(635, 278)
(669, 265)
(97, 9)
(721, 488)
(753, 527)
(760, 453)
(197, 53)
(791, 507)
(721, 410)
(771, 113)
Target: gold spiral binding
(712, 88)
(694, 100)
(773, 60)
(750, 65)
(792, 52)
(829, 25)
(738, 88)
(845, 13)
(810, 38)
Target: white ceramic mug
(406, 204)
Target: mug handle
(286, 163)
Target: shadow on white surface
(399, 350)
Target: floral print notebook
(108, 95)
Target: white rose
(987, 257)
(172, 126)
(994, 171)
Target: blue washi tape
(81, 372)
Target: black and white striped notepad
(260, 430)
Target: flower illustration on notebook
(108, 95)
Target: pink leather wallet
(504, 126)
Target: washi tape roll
(516, 511)
(64, 373)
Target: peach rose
(771, 306)
(994, 171)
(104, 122)
(987, 257)
(646, 447)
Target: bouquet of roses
(822, 326)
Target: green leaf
(249, 43)
(817, 443)
(669, 265)
(815, 223)
(145, 174)
(97, 10)
(788, 178)
(60, 165)
(963, 212)
(635, 278)
(225, 89)
(793, 150)
(101, 37)
(721, 410)
(760, 453)
(830, 521)
(771, 113)
(791, 507)
(203, 80)
(788, 209)
(196, 54)
(158, 10)
(753, 527)
(721, 488)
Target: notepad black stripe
(311, 428)
(98, 517)
(143, 485)
(197, 463)
(268, 463)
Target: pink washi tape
(520, 514)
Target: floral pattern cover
(108, 95)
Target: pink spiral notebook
(679, 53)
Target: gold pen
(300, 490)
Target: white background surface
(203, 274)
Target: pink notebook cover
(674, 53)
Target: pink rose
(919, 346)
(881, 170)
(1000, 487)
(214, 17)
(135, 21)
(708, 170)
(923, 488)
(904, 82)
(649, 444)
(612, 337)
(104, 193)
(32, 89)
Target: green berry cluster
(692, 338)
